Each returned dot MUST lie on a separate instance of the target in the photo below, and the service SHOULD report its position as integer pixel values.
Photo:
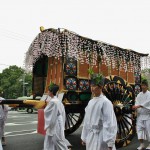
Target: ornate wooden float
(64, 57)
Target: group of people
(3, 117)
(100, 124)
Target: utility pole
(23, 82)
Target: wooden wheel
(73, 122)
(74, 111)
(122, 96)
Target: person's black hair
(144, 82)
(54, 89)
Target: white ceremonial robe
(1, 125)
(100, 125)
(1, 148)
(3, 117)
(143, 115)
(54, 115)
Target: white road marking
(18, 119)
(21, 123)
(19, 133)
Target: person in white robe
(100, 125)
(142, 105)
(2, 117)
(54, 115)
(5, 111)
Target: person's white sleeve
(84, 130)
(6, 108)
(137, 100)
(50, 115)
(109, 124)
(146, 104)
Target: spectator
(3, 108)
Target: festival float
(64, 58)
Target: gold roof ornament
(42, 28)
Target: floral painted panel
(71, 69)
(84, 85)
(71, 83)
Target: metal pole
(23, 82)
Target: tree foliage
(11, 82)
(146, 75)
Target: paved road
(21, 134)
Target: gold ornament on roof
(42, 28)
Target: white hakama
(100, 125)
(143, 115)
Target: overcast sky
(124, 23)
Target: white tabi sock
(142, 146)
(148, 147)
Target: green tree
(11, 84)
(146, 75)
